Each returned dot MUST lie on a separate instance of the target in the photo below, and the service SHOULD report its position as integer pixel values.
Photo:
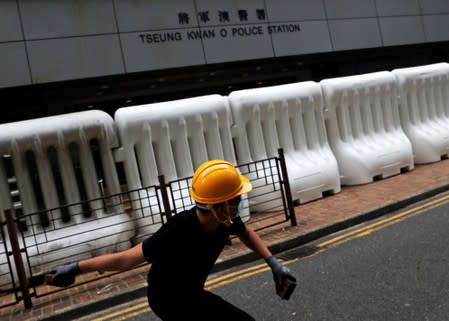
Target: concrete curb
(139, 292)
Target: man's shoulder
(183, 217)
(173, 228)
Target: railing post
(164, 195)
(16, 252)
(286, 182)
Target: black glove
(65, 275)
(285, 282)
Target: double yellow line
(368, 229)
(241, 274)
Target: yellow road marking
(260, 268)
(139, 306)
(366, 230)
(133, 314)
(240, 276)
(211, 282)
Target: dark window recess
(96, 153)
(74, 151)
(36, 184)
(52, 155)
(121, 173)
(95, 149)
(136, 155)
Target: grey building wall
(48, 40)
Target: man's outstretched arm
(255, 243)
(120, 261)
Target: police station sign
(237, 31)
(158, 37)
(214, 32)
(46, 42)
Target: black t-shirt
(182, 255)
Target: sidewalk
(351, 206)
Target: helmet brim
(245, 187)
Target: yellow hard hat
(217, 181)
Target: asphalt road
(396, 271)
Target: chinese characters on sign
(223, 16)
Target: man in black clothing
(183, 251)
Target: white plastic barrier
(287, 116)
(172, 139)
(363, 126)
(55, 161)
(424, 110)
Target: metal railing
(116, 222)
(9, 287)
(270, 197)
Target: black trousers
(205, 306)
